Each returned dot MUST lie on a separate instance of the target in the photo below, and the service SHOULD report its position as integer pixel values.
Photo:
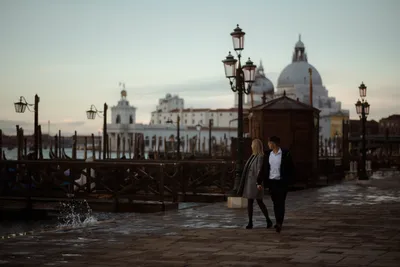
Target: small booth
(297, 125)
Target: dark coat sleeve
(290, 168)
(262, 172)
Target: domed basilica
(294, 80)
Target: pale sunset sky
(74, 53)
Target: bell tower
(299, 53)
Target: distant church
(295, 81)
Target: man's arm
(262, 171)
(290, 164)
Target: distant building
(171, 106)
(158, 130)
(355, 129)
(390, 125)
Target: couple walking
(272, 169)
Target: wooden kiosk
(297, 125)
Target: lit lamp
(91, 115)
(362, 108)
(241, 79)
(20, 107)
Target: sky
(74, 53)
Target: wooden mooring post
(1, 144)
(99, 148)
(93, 147)
(56, 145)
(85, 148)
(19, 155)
(59, 144)
(74, 144)
(123, 146)
(40, 142)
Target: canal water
(74, 215)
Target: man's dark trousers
(278, 190)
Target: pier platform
(348, 224)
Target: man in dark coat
(277, 173)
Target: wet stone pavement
(349, 224)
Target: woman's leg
(250, 203)
(264, 210)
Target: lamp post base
(235, 202)
(363, 176)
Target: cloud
(212, 92)
(215, 92)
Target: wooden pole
(130, 148)
(56, 146)
(109, 147)
(85, 149)
(105, 134)
(74, 144)
(59, 144)
(1, 144)
(311, 87)
(40, 142)
(93, 148)
(118, 146)
(25, 146)
(99, 147)
(36, 127)
(123, 146)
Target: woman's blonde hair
(257, 147)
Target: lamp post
(362, 108)
(178, 122)
(241, 79)
(20, 107)
(198, 128)
(91, 115)
(210, 125)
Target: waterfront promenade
(341, 225)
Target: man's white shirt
(275, 160)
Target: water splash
(76, 214)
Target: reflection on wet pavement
(348, 224)
(218, 216)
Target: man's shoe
(249, 226)
(278, 228)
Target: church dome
(261, 83)
(298, 71)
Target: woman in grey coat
(248, 184)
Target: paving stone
(331, 226)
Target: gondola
(52, 155)
(65, 156)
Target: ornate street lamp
(20, 107)
(198, 128)
(91, 115)
(241, 79)
(362, 108)
(178, 122)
